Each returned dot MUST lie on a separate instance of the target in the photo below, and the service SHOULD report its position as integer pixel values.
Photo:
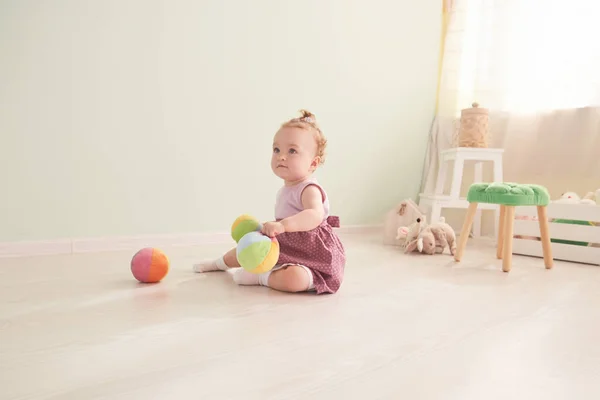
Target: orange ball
(149, 265)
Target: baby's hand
(272, 229)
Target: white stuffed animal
(573, 198)
(411, 233)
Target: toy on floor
(402, 233)
(395, 226)
(149, 265)
(410, 234)
(256, 253)
(425, 242)
(431, 239)
(444, 236)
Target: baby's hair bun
(307, 116)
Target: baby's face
(294, 151)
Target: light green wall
(116, 115)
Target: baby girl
(312, 257)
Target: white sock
(211, 265)
(263, 278)
(245, 278)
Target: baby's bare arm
(311, 216)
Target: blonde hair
(308, 121)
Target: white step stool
(437, 201)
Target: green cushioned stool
(508, 196)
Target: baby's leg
(229, 260)
(290, 278)
(293, 278)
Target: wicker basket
(473, 130)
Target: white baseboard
(359, 229)
(126, 243)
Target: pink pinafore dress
(320, 249)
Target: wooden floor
(402, 327)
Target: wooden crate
(589, 233)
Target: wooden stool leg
(545, 235)
(501, 224)
(464, 233)
(509, 222)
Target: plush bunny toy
(425, 242)
(444, 236)
(413, 233)
(434, 239)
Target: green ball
(244, 224)
(257, 253)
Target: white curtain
(535, 64)
(521, 56)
